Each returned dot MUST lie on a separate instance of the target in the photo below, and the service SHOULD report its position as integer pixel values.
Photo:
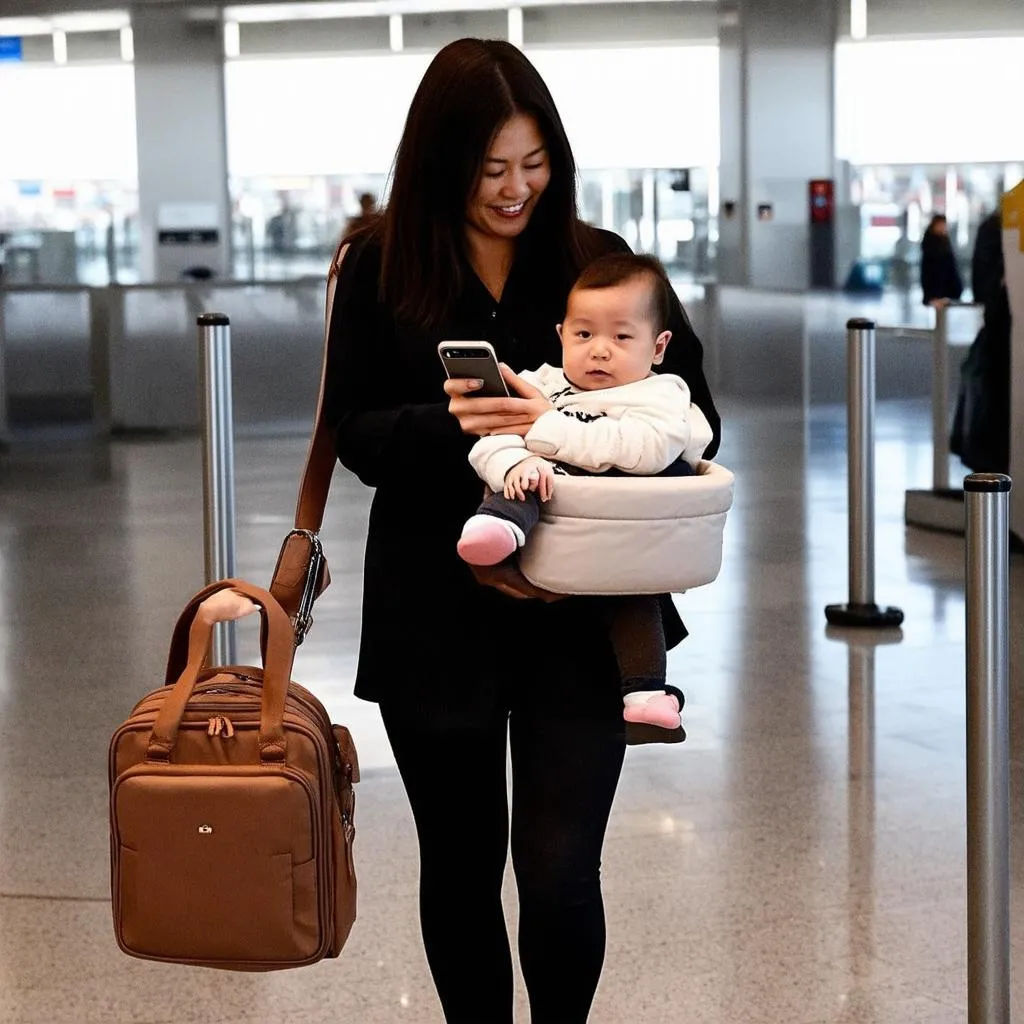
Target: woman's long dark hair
(471, 88)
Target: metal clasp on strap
(303, 620)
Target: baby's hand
(532, 474)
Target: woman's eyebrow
(504, 160)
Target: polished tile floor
(804, 849)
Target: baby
(613, 415)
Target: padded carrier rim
(630, 535)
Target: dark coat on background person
(988, 277)
(940, 276)
(981, 425)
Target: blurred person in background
(981, 425)
(367, 214)
(940, 276)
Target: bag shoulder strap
(320, 458)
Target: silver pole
(940, 400)
(860, 801)
(860, 398)
(250, 242)
(4, 427)
(218, 465)
(987, 496)
(111, 252)
(861, 712)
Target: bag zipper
(303, 697)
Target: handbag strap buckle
(303, 620)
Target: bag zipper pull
(220, 725)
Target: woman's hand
(484, 416)
(225, 606)
(507, 578)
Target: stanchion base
(885, 636)
(863, 615)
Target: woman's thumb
(514, 381)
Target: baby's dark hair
(619, 267)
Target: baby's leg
(638, 640)
(499, 528)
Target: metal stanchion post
(987, 497)
(861, 609)
(4, 430)
(940, 401)
(218, 465)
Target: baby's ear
(558, 327)
(660, 344)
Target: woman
(480, 240)
(940, 276)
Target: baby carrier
(630, 534)
(597, 535)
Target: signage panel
(10, 48)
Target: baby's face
(608, 338)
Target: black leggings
(567, 753)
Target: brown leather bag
(232, 809)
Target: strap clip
(303, 620)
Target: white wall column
(184, 207)
(776, 70)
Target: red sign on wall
(822, 200)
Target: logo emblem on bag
(206, 830)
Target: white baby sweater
(640, 428)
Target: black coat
(988, 276)
(981, 424)
(940, 275)
(425, 620)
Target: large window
(927, 127)
(307, 136)
(68, 171)
(937, 101)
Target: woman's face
(516, 170)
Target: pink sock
(487, 540)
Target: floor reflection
(799, 860)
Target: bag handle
(301, 574)
(191, 640)
(320, 457)
(179, 653)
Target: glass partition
(288, 227)
(277, 345)
(46, 354)
(895, 204)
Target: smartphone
(477, 360)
